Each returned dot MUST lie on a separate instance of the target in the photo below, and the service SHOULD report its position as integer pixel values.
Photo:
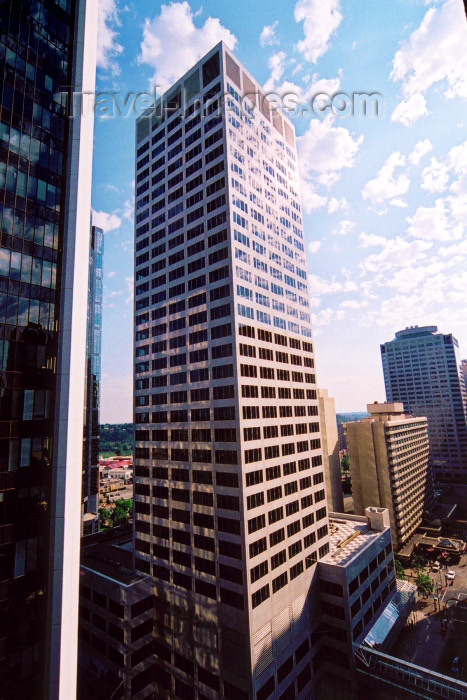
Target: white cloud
(385, 186)
(335, 204)
(458, 158)
(320, 286)
(108, 47)
(320, 21)
(367, 240)
(129, 281)
(326, 148)
(323, 317)
(174, 28)
(434, 53)
(397, 252)
(268, 35)
(420, 274)
(310, 198)
(107, 222)
(314, 246)
(433, 223)
(398, 202)
(353, 304)
(456, 249)
(129, 209)
(421, 148)
(111, 273)
(276, 64)
(344, 228)
(322, 86)
(323, 151)
(410, 110)
(435, 176)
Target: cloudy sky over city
(384, 197)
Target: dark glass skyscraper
(422, 370)
(45, 174)
(93, 377)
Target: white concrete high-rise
(230, 504)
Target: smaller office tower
(389, 466)
(422, 369)
(330, 441)
(93, 376)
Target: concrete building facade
(389, 466)
(422, 370)
(357, 580)
(45, 200)
(116, 621)
(331, 459)
(230, 501)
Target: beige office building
(389, 466)
(330, 442)
(230, 501)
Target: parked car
(436, 566)
(451, 575)
(455, 665)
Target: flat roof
(112, 559)
(349, 536)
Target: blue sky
(384, 198)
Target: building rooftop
(110, 557)
(417, 330)
(348, 536)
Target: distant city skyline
(385, 198)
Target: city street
(423, 642)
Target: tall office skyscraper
(90, 487)
(45, 188)
(230, 514)
(422, 370)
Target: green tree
(345, 463)
(418, 562)
(122, 511)
(424, 583)
(104, 516)
(400, 573)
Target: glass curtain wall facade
(422, 370)
(38, 49)
(93, 374)
(230, 510)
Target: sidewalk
(421, 643)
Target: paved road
(423, 643)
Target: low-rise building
(116, 628)
(356, 580)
